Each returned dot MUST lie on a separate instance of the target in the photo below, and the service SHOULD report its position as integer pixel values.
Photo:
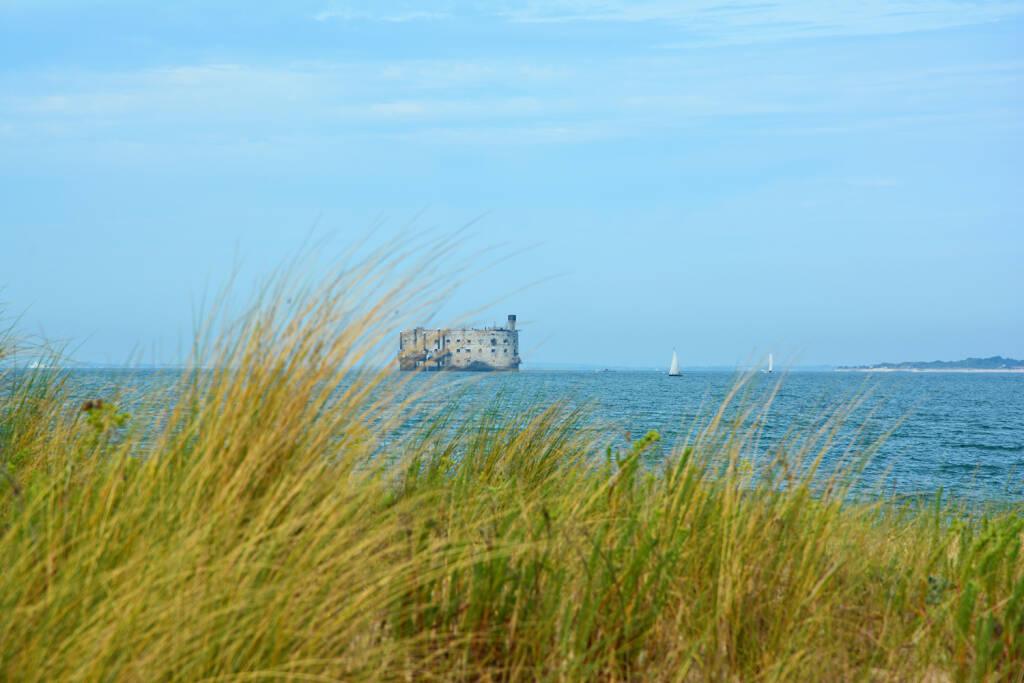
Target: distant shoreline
(938, 370)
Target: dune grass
(268, 531)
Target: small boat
(673, 368)
(771, 364)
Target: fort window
(494, 342)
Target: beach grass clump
(276, 528)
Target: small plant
(103, 420)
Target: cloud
(407, 89)
(460, 108)
(396, 18)
(875, 183)
(705, 21)
(389, 11)
(522, 133)
(219, 103)
(248, 108)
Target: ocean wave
(990, 447)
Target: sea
(961, 434)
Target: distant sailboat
(673, 368)
(771, 363)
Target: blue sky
(834, 182)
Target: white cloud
(537, 133)
(875, 183)
(395, 18)
(495, 101)
(706, 21)
(481, 108)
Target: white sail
(771, 363)
(673, 368)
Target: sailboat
(771, 363)
(673, 368)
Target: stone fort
(484, 349)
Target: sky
(834, 182)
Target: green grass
(262, 535)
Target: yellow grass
(268, 532)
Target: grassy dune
(266, 532)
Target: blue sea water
(963, 433)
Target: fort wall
(469, 349)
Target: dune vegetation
(262, 527)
